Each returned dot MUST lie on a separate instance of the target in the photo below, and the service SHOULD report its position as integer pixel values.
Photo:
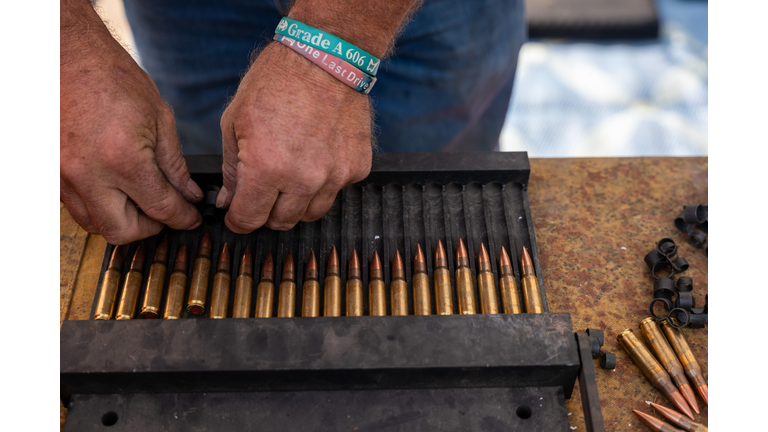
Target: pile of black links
(674, 295)
(693, 222)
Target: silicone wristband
(335, 66)
(328, 43)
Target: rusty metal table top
(595, 219)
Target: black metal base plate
(474, 409)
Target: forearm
(81, 30)
(370, 25)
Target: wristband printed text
(343, 71)
(329, 43)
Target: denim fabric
(446, 87)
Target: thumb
(171, 162)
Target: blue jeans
(446, 87)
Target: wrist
(369, 25)
(297, 70)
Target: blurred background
(597, 78)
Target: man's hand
(293, 137)
(122, 173)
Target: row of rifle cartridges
(666, 365)
(310, 298)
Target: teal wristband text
(328, 43)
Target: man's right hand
(122, 173)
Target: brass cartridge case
(486, 284)
(332, 296)
(265, 291)
(668, 359)
(652, 369)
(421, 295)
(244, 286)
(687, 359)
(310, 305)
(153, 292)
(466, 291)
(377, 291)
(509, 294)
(220, 292)
(443, 291)
(174, 301)
(109, 285)
(465, 287)
(354, 287)
(489, 302)
(422, 303)
(286, 300)
(243, 296)
(531, 290)
(310, 302)
(332, 302)
(201, 270)
(399, 287)
(131, 286)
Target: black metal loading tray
(407, 199)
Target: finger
(148, 187)
(230, 151)
(77, 208)
(117, 218)
(170, 160)
(288, 210)
(320, 204)
(253, 202)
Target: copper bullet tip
(649, 420)
(223, 264)
(224, 256)
(704, 392)
(504, 258)
(139, 255)
(117, 256)
(397, 263)
(288, 265)
(439, 250)
(678, 401)
(525, 258)
(669, 413)
(162, 247)
(312, 263)
(269, 263)
(247, 257)
(419, 258)
(333, 259)
(690, 397)
(181, 255)
(461, 250)
(375, 261)
(354, 261)
(206, 241)
(483, 255)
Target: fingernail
(194, 188)
(195, 225)
(221, 199)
